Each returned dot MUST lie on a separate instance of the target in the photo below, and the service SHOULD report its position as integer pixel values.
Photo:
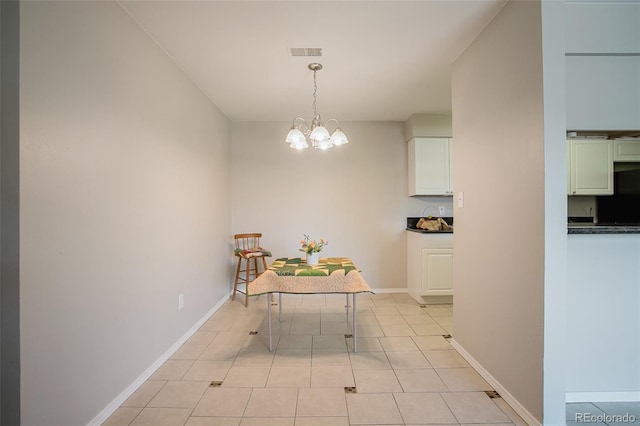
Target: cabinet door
(626, 150)
(437, 272)
(430, 166)
(590, 167)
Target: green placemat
(297, 267)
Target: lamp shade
(300, 145)
(295, 136)
(319, 134)
(324, 144)
(338, 138)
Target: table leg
(280, 307)
(269, 320)
(347, 307)
(355, 329)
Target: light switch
(460, 199)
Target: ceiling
(383, 60)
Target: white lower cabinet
(430, 267)
(437, 272)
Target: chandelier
(302, 135)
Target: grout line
(385, 308)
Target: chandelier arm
(302, 126)
(333, 119)
(293, 124)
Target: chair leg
(246, 283)
(255, 268)
(249, 269)
(235, 284)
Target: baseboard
(630, 396)
(390, 290)
(117, 402)
(510, 399)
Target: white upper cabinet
(430, 166)
(626, 150)
(590, 167)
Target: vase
(313, 258)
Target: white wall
(429, 125)
(603, 294)
(355, 196)
(603, 317)
(583, 206)
(602, 27)
(124, 205)
(499, 153)
(555, 213)
(603, 65)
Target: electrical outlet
(180, 301)
(441, 210)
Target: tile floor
(603, 413)
(405, 371)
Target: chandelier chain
(315, 94)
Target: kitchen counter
(412, 222)
(424, 231)
(596, 228)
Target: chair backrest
(247, 241)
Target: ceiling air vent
(306, 51)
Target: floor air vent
(350, 389)
(492, 394)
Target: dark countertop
(412, 221)
(424, 231)
(598, 228)
(575, 226)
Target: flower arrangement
(309, 246)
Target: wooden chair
(248, 251)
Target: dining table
(292, 275)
